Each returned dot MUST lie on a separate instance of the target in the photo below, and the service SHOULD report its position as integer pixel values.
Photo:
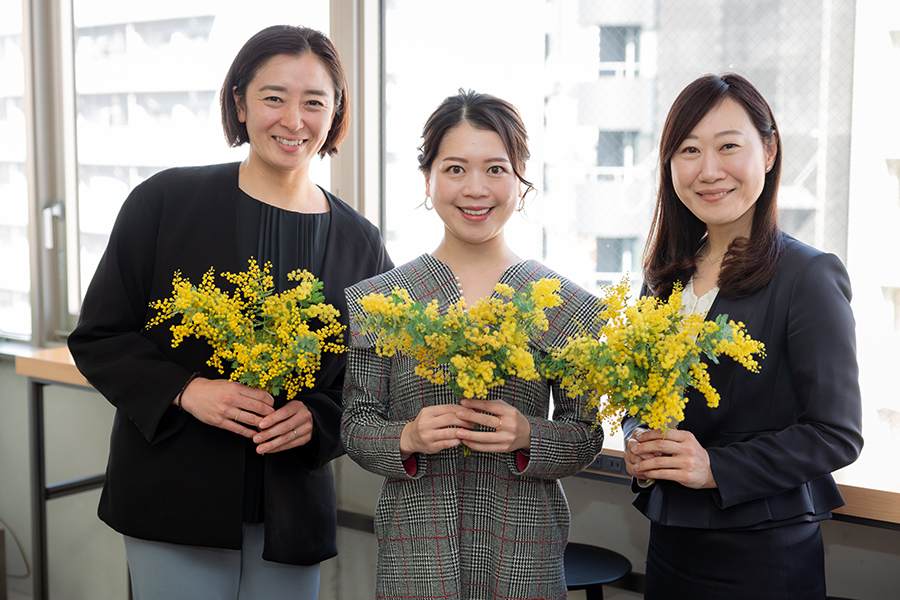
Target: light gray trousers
(163, 571)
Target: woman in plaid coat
(494, 523)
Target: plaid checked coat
(483, 526)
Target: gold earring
(426, 203)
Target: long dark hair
(676, 234)
(481, 111)
(290, 41)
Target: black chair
(589, 567)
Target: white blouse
(690, 303)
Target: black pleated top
(290, 241)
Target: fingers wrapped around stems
(504, 429)
(227, 405)
(433, 430)
(677, 457)
(288, 427)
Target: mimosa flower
(265, 338)
(645, 355)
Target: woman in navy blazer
(222, 490)
(735, 494)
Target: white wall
(87, 559)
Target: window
(615, 255)
(139, 110)
(592, 79)
(15, 276)
(892, 297)
(619, 51)
(611, 148)
(893, 168)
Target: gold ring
(240, 410)
(499, 423)
(296, 434)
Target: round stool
(589, 567)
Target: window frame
(51, 156)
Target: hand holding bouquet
(645, 355)
(266, 338)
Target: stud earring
(769, 168)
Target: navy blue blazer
(170, 477)
(777, 435)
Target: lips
(712, 195)
(475, 212)
(287, 142)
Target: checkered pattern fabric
(466, 527)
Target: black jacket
(778, 434)
(170, 477)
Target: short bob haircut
(291, 41)
(676, 234)
(481, 111)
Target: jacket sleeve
(564, 445)
(108, 346)
(570, 441)
(821, 357)
(370, 437)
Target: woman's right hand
(432, 430)
(228, 405)
(632, 459)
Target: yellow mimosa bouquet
(271, 341)
(645, 355)
(482, 346)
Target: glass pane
(594, 80)
(147, 79)
(15, 277)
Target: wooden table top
(51, 364)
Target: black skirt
(786, 562)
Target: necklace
(711, 261)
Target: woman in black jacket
(736, 493)
(222, 490)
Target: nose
(475, 185)
(711, 167)
(292, 118)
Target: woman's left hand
(511, 430)
(678, 457)
(288, 427)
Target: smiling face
(288, 108)
(719, 170)
(472, 185)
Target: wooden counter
(51, 364)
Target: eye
(689, 150)
(455, 169)
(730, 146)
(273, 99)
(316, 103)
(496, 170)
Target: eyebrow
(281, 88)
(725, 133)
(463, 160)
